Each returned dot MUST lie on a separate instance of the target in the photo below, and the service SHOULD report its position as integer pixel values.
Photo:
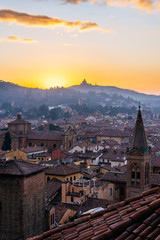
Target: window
(52, 219)
(30, 144)
(72, 199)
(138, 176)
(48, 179)
(71, 179)
(42, 144)
(70, 143)
(74, 177)
(122, 191)
(133, 175)
(54, 145)
(0, 206)
(110, 191)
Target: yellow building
(29, 154)
(64, 172)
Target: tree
(7, 142)
(56, 113)
(43, 111)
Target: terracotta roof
(19, 168)
(45, 136)
(134, 218)
(52, 187)
(32, 149)
(64, 170)
(113, 133)
(90, 203)
(114, 177)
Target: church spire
(139, 137)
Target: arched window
(70, 144)
(133, 174)
(138, 175)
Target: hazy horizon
(79, 85)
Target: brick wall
(22, 206)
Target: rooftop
(19, 168)
(46, 136)
(33, 149)
(134, 218)
(63, 170)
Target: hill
(89, 94)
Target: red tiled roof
(19, 168)
(63, 170)
(114, 177)
(32, 149)
(45, 136)
(114, 133)
(52, 187)
(134, 218)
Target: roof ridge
(15, 162)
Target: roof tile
(145, 232)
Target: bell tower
(138, 161)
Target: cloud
(28, 40)
(7, 15)
(15, 38)
(143, 4)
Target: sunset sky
(48, 43)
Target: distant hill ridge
(10, 92)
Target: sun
(56, 81)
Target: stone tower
(138, 161)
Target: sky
(48, 43)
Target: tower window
(110, 191)
(133, 175)
(138, 175)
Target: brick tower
(22, 200)
(138, 161)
